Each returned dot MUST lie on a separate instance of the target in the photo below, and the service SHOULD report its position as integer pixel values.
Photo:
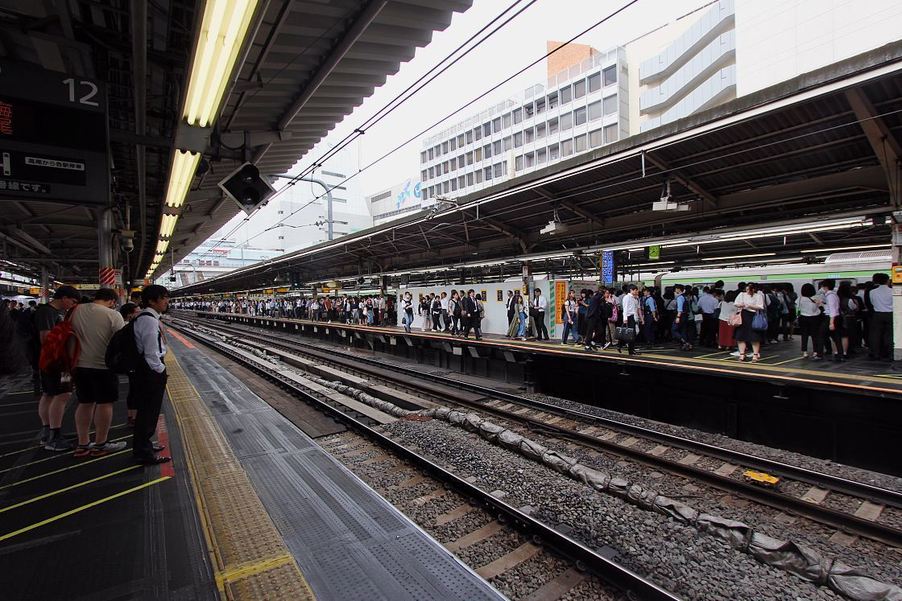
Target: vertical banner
(558, 294)
(607, 267)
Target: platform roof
(807, 149)
(306, 65)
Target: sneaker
(45, 436)
(606, 345)
(734, 354)
(58, 446)
(107, 448)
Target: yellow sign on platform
(281, 290)
(34, 291)
(897, 274)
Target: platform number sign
(81, 91)
(607, 267)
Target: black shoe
(153, 460)
(619, 349)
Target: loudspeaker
(247, 188)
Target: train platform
(96, 528)
(780, 362)
(249, 508)
(846, 412)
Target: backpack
(55, 356)
(122, 354)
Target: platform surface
(102, 528)
(347, 540)
(781, 361)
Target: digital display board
(607, 267)
(54, 136)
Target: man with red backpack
(55, 393)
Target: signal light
(247, 188)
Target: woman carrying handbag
(753, 325)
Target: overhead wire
(392, 105)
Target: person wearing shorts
(96, 386)
(55, 393)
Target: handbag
(735, 319)
(759, 322)
(626, 333)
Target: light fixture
(162, 245)
(184, 164)
(167, 226)
(222, 32)
(847, 248)
(738, 257)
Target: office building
(399, 200)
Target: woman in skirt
(726, 334)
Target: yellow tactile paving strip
(249, 556)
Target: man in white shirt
(446, 323)
(880, 338)
(632, 316)
(539, 306)
(151, 376)
(96, 386)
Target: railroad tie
(815, 495)
(507, 562)
(454, 514)
(557, 587)
(477, 536)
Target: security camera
(127, 240)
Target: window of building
(460, 140)
(423, 157)
(460, 181)
(552, 100)
(529, 135)
(540, 131)
(541, 156)
(499, 169)
(469, 158)
(432, 191)
(469, 179)
(518, 163)
(438, 150)
(610, 75)
(477, 132)
(479, 176)
(610, 105)
(579, 116)
(540, 106)
(487, 151)
(517, 115)
(507, 143)
(610, 133)
(425, 193)
(424, 174)
(487, 129)
(444, 148)
(446, 187)
(460, 162)
(553, 127)
(453, 144)
(453, 162)
(496, 124)
(579, 88)
(518, 139)
(496, 148)
(554, 152)
(487, 173)
(566, 148)
(566, 121)
(454, 185)
(594, 82)
(431, 172)
(478, 154)
(445, 167)
(506, 121)
(469, 136)
(566, 94)
(530, 159)
(431, 154)
(579, 143)
(595, 110)
(595, 138)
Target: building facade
(401, 199)
(581, 107)
(210, 260)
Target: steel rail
(825, 515)
(632, 584)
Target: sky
(516, 45)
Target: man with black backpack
(150, 375)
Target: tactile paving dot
(283, 582)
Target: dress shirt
(630, 307)
(808, 308)
(707, 303)
(444, 302)
(539, 303)
(149, 340)
(882, 299)
(831, 300)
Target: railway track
(532, 541)
(866, 504)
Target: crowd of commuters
(838, 321)
(80, 330)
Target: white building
(210, 260)
(582, 107)
(397, 201)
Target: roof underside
(791, 152)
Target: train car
(852, 267)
